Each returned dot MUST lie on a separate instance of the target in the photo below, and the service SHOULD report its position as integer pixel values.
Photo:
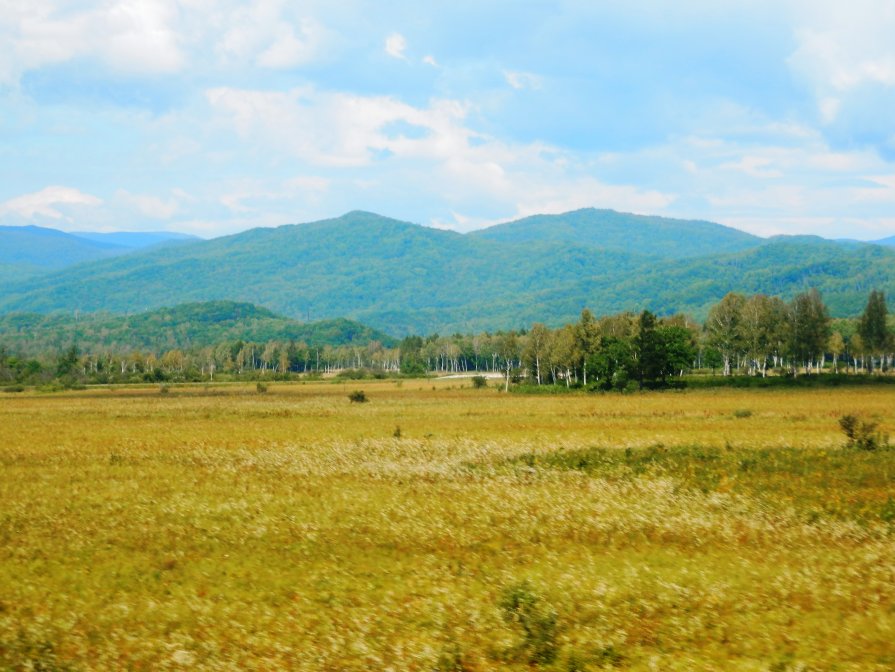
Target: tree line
(747, 335)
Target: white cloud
(449, 164)
(523, 80)
(157, 36)
(289, 50)
(754, 166)
(268, 34)
(137, 36)
(396, 45)
(845, 53)
(336, 129)
(430, 60)
(51, 203)
(149, 206)
(261, 198)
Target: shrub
(887, 514)
(14, 388)
(523, 608)
(742, 413)
(261, 388)
(353, 374)
(478, 382)
(862, 434)
(163, 389)
(451, 660)
(358, 397)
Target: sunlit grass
(219, 528)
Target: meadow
(441, 527)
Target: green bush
(478, 382)
(862, 434)
(358, 397)
(261, 388)
(521, 607)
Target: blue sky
(212, 117)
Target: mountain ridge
(404, 278)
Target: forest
(408, 279)
(756, 336)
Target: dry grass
(219, 528)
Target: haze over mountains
(27, 251)
(403, 278)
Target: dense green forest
(406, 279)
(187, 326)
(757, 336)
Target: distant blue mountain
(30, 251)
(890, 241)
(26, 251)
(135, 240)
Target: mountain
(135, 240)
(783, 266)
(26, 251)
(193, 325)
(30, 251)
(889, 242)
(404, 278)
(611, 230)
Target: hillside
(623, 232)
(405, 278)
(26, 251)
(783, 267)
(193, 325)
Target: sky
(214, 116)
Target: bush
(14, 388)
(261, 388)
(358, 397)
(523, 608)
(742, 413)
(478, 382)
(862, 434)
(353, 374)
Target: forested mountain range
(404, 278)
(622, 232)
(186, 326)
(29, 251)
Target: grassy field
(438, 527)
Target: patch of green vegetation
(358, 397)
(810, 479)
(812, 381)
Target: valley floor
(441, 527)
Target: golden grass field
(222, 529)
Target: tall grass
(218, 528)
